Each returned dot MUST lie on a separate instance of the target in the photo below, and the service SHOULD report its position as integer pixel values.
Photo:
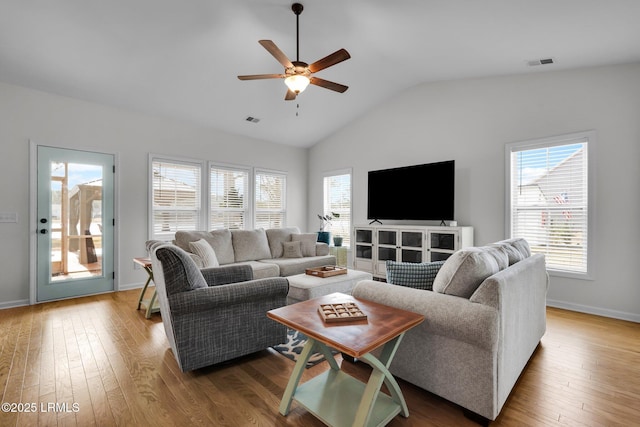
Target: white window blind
(549, 201)
(337, 199)
(176, 202)
(270, 203)
(228, 198)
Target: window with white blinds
(228, 188)
(270, 203)
(549, 200)
(175, 197)
(337, 199)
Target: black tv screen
(420, 192)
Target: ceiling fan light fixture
(297, 83)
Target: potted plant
(323, 235)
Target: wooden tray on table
(326, 271)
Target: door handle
(44, 231)
(43, 220)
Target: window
(175, 197)
(270, 203)
(228, 188)
(337, 199)
(549, 197)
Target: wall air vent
(544, 61)
(252, 119)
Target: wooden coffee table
(335, 397)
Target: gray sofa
(214, 314)
(270, 253)
(484, 318)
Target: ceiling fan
(297, 74)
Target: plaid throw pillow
(413, 275)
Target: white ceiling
(180, 59)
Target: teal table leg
(379, 375)
(294, 380)
(143, 291)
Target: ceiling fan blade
(328, 61)
(328, 85)
(276, 52)
(290, 96)
(262, 76)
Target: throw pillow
(307, 241)
(513, 254)
(464, 271)
(291, 249)
(413, 275)
(203, 249)
(277, 236)
(250, 245)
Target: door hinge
(114, 168)
(113, 275)
(114, 222)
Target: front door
(75, 230)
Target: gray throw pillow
(291, 250)
(413, 275)
(464, 271)
(203, 249)
(308, 243)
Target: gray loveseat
(270, 253)
(483, 321)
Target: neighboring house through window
(229, 197)
(549, 200)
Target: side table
(151, 304)
(340, 252)
(335, 397)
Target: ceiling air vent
(252, 119)
(544, 61)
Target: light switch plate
(9, 217)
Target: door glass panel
(412, 239)
(386, 237)
(76, 221)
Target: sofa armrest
(322, 249)
(215, 276)
(445, 315)
(211, 298)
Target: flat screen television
(420, 192)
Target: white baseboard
(13, 304)
(130, 286)
(614, 314)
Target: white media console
(375, 244)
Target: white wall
(54, 120)
(470, 121)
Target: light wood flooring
(98, 361)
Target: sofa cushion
(413, 275)
(292, 249)
(220, 241)
(499, 254)
(308, 243)
(513, 254)
(464, 271)
(291, 266)
(203, 249)
(277, 236)
(521, 245)
(250, 245)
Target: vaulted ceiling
(180, 59)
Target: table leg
(379, 375)
(143, 291)
(294, 380)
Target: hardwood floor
(98, 361)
